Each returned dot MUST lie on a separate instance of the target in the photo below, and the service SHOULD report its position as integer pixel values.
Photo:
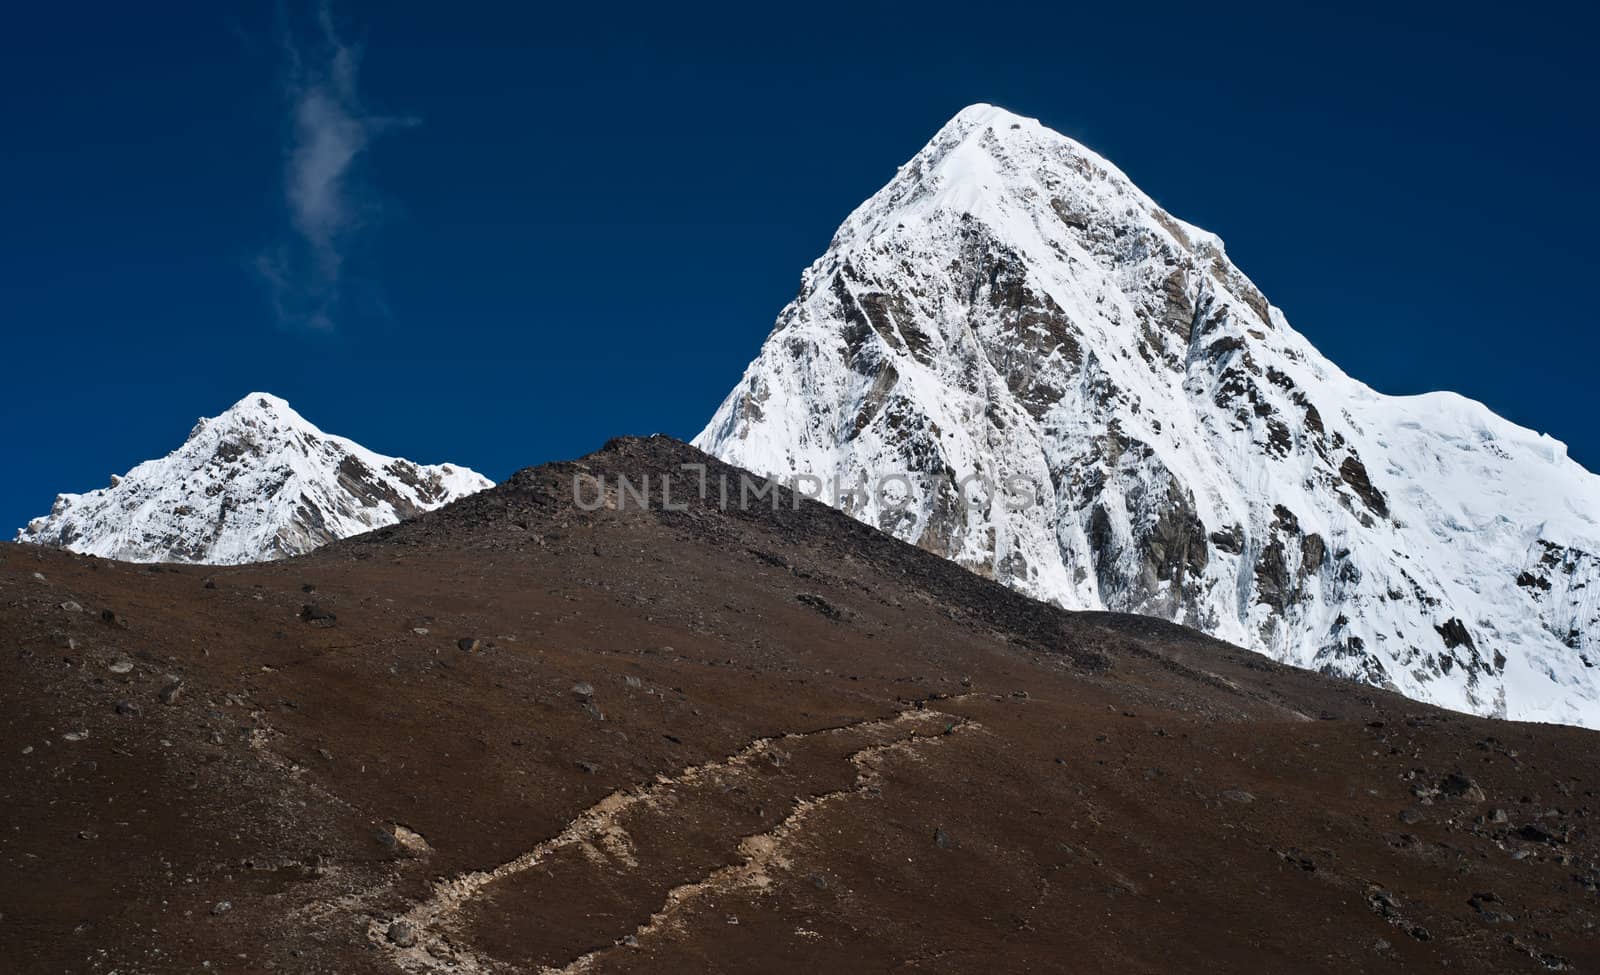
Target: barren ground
(713, 741)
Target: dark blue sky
(575, 221)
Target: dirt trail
(604, 835)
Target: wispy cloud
(328, 205)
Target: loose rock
(1458, 786)
(1535, 833)
(312, 613)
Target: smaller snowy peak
(259, 407)
(260, 413)
(256, 482)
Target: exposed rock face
(1564, 583)
(1011, 306)
(258, 482)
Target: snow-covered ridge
(1011, 305)
(258, 482)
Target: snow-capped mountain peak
(1011, 306)
(259, 481)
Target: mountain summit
(258, 482)
(1011, 307)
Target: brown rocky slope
(516, 736)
